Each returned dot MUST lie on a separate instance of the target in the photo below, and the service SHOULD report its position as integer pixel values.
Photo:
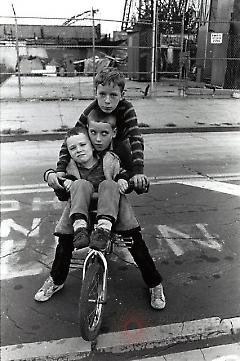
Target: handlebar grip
(131, 187)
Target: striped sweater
(127, 128)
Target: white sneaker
(47, 290)
(158, 301)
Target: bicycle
(93, 296)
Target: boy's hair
(110, 75)
(97, 115)
(75, 131)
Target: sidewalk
(47, 120)
(50, 105)
(153, 340)
(216, 353)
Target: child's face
(101, 134)
(108, 97)
(80, 149)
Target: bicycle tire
(92, 301)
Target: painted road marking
(8, 224)
(211, 185)
(10, 205)
(17, 238)
(192, 179)
(176, 239)
(13, 205)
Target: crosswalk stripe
(192, 180)
(211, 185)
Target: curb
(60, 135)
(198, 92)
(124, 341)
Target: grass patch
(143, 125)
(171, 125)
(63, 128)
(5, 72)
(10, 131)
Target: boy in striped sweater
(128, 143)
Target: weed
(10, 131)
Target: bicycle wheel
(92, 301)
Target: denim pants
(139, 252)
(126, 219)
(108, 199)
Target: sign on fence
(216, 38)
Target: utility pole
(154, 38)
(93, 48)
(17, 50)
(182, 59)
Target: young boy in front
(86, 174)
(101, 135)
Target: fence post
(181, 51)
(93, 49)
(17, 50)
(154, 28)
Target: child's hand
(123, 185)
(141, 182)
(67, 184)
(53, 181)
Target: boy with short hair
(128, 143)
(101, 136)
(85, 175)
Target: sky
(108, 9)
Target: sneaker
(81, 238)
(99, 239)
(47, 290)
(158, 300)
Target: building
(218, 54)
(61, 44)
(66, 47)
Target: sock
(105, 224)
(79, 223)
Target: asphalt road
(190, 221)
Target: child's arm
(54, 178)
(63, 158)
(132, 132)
(123, 185)
(83, 117)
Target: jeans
(139, 252)
(108, 199)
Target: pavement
(135, 341)
(169, 110)
(41, 116)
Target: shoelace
(157, 294)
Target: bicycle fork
(97, 256)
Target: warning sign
(216, 38)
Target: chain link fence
(60, 61)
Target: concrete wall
(7, 31)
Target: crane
(142, 10)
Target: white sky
(108, 9)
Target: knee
(83, 184)
(107, 184)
